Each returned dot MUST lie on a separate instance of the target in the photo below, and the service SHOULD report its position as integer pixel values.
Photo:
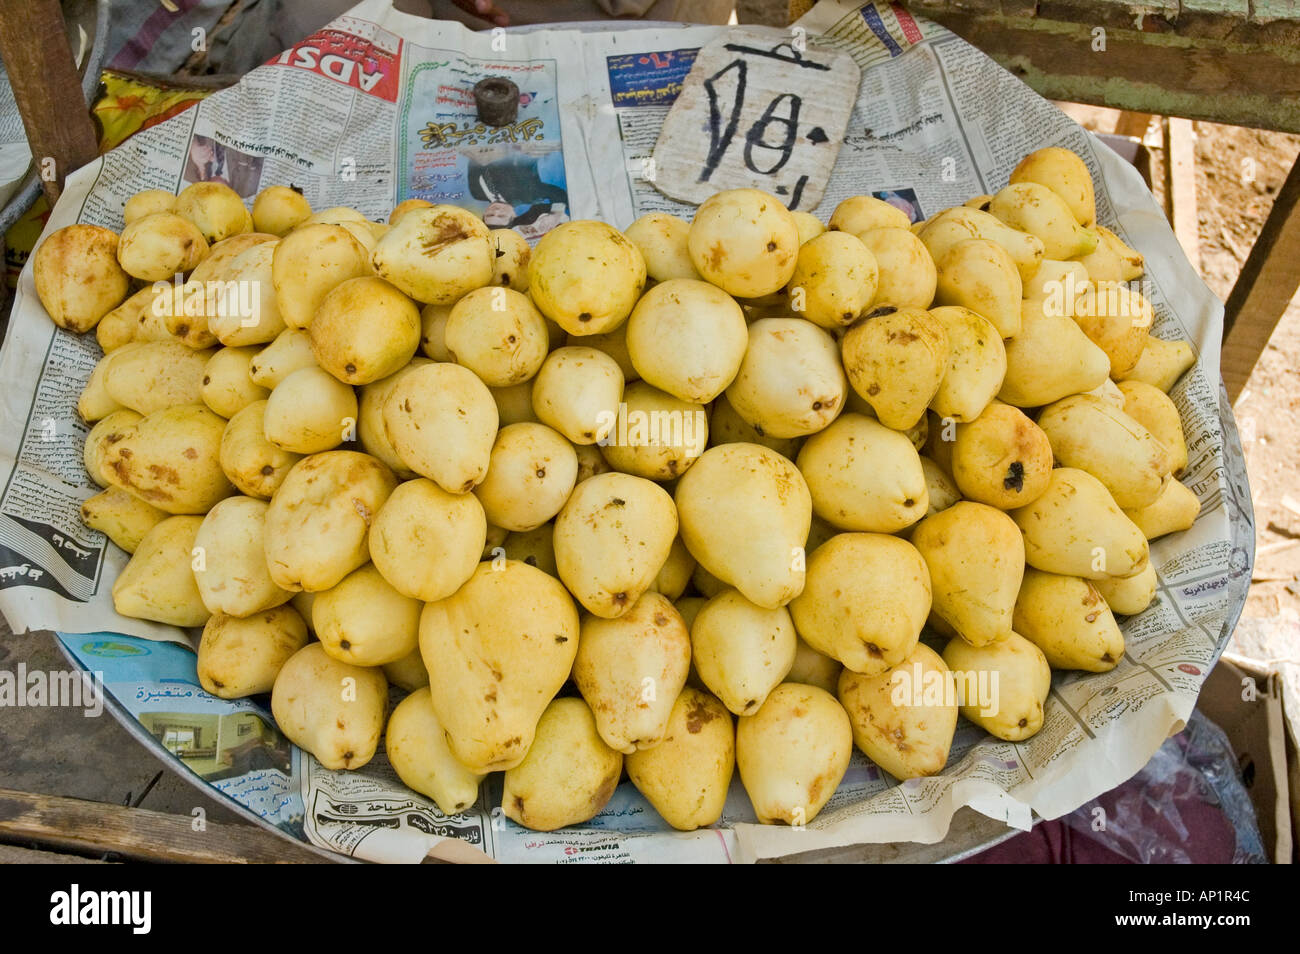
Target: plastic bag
(1182, 808)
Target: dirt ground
(1232, 210)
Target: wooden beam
(47, 88)
(1222, 80)
(1267, 283)
(1255, 23)
(94, 829)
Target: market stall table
(963, 837)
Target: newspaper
(15, 154)
(374, 109)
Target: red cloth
(1199, 830)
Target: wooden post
(43, 73)
(1132, 124)
(1267, 283)
(1180, 162)
(798, 8)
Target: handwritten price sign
(758, 110)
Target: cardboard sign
(758, 110)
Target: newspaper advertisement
(376, 108)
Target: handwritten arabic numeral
(757, 136)
(720, 138)
(797, 196)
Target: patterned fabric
(558, 11)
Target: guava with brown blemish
(630, 670)
(149, 460)
(484, 639)
(686, 776)
(608, 554)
